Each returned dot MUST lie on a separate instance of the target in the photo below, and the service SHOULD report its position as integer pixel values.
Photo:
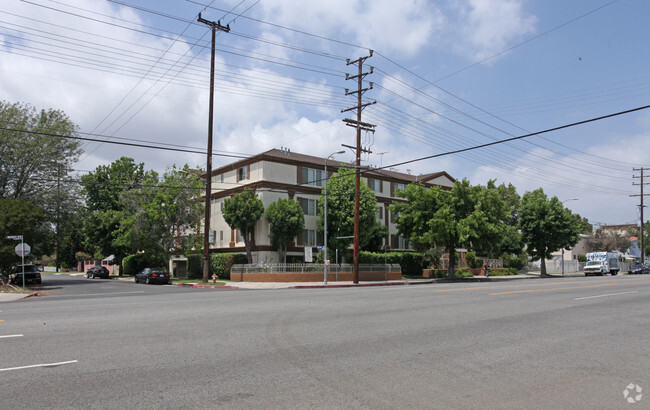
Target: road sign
(23, 249)
(15, 237)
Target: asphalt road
(538, 343)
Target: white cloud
(487, 27)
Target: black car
(97, 272)
(149, 275)
(32, 274)
(638, 269)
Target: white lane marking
(38, 365)
(95, 294)
(8, 336)
(609, 294)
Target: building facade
(279, 173)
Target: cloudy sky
(448, 75)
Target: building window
(311, 237)
(221, 206)
(374, 184)
(308, 206)
(242, 173)
(397, 186)
(314, 177)
(221, 178)
(221, 235)
(380, 214)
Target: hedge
(220, 264)
(412, 263)
(133, 264)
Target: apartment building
(279, 173)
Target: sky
(448, 76)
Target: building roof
(286, 156)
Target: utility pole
(359, 125)
(214, 26)
(641, 184)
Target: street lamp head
(570, 199)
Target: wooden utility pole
(214, 26)
(641, 184)
(359, 125)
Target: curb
(353, 285)
(196, 285)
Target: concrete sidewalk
(11, 297)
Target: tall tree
(465, 216)
(36, 159)
(547, 226)
(286, 220)
(22, 217)
(159, 214)
(242, 212)
(37, 147)
(103, 189)
(340, 212)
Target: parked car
(32, 274)
(97, 271)
(638, 269)
(152, 275)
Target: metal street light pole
(566, 200)
(325, 224)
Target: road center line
(609, 294)
(38, 365)
(548, 290)
(8, 336)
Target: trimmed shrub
(195, 266)
(502, 271)
(412, 263)
(516, 262)
(220, 263)
(464, 273)
(133, 264)
(473, 261)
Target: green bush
(516, 262)
(582, 257)
(133, 264)
(464, 273)
(220, 263)
(412, 263)
(473, 261)
(502, 271)
(195, 266)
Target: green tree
(340, 212)
(465, 216)
(242, 212)
(36, 159)
(547, 226)
(162, 211)
(36, 150)
(286, 220)
(22, 217)
(103, 189)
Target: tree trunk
(247, 245)
(452, 263)
(543, 266)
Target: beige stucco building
(279, 174)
